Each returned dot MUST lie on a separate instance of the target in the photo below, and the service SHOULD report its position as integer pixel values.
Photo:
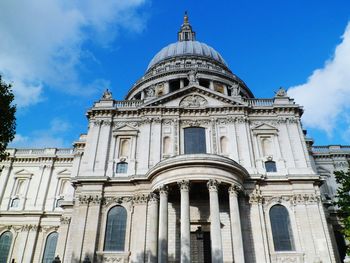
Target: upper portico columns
(215, 228)
(185, 222)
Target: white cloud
(325, 95)
(41, 40)
(51, 137)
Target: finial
(107, 95)
(185, 18)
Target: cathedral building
(190, 167)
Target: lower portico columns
(185, 222)
(236, 231)
(215, 228)
(153, 229)
(163, 225)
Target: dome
(188, 48)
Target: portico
(199, 185)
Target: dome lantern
(186, 33)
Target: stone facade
(212, 206)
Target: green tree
(343, 203)
(7, 117)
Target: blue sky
(61, 55)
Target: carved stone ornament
(150, 92)
(192, 76)
(195, 123)
(118, 200)
(65, 220)
(107, 95)
(140, 199)
(235, 90)
(119, 124)
(93, 199)
(193, 101)
(281, 92)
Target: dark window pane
(50, 248)
(115, 229)
(122, 168)
(5, 244)
(195, 140)
(281, 229)
(270, 166)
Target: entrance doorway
(200, 246)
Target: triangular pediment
(23, 173)
(124, 128)
(264, 126)
(64, 172)
(194, 96)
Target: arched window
(122, 167)
(5, 244)
(59, 202)
(281, 229)
(195, 140)
(15, 202)
(115, 229)
(50, 247)
(270, 166)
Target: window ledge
(287, 256)
(113, 256)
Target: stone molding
(140, 199)
(287, 257)
(293, 199)
(87, 199)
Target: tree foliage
(7, 117)
(343, 203)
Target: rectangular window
(195, 140)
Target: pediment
(64, 172)
(23, 173)
(264, 128)
(194, 96)
(125, 130)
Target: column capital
(213, 185)
(163, 190)
(184, 185)
(234, 189)
(153, 198)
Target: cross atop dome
(186, 33)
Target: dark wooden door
(200, 248)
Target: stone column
(215, 228)
(152, 235)
(185, 222)
(181, 83)
(163, 225)
(236, 231)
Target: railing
(64, 151)
(43, 152)
(127, 103)
(331, 148)
(260, 102)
